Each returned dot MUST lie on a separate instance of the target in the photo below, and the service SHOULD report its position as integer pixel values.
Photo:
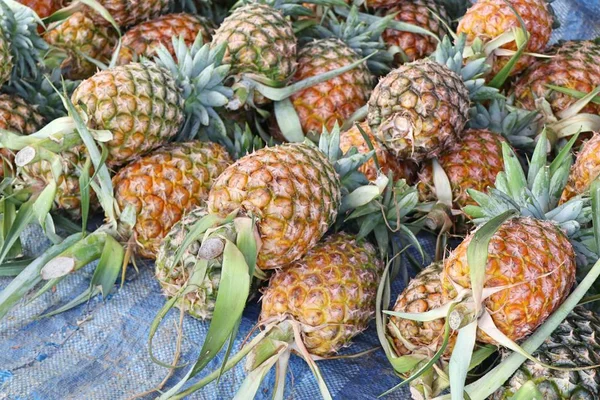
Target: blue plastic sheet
(99, 350)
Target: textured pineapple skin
(584, 171)
(68, 194)
(472, 163)
(260, 40)
(143, 39)
(423, 293)
(387, 161)
(419, 109)
(166, 184)
(127, 13)
(488, 19)
(292, 190)
(536, 257)
(6, 64)
(334, 100)
(140, 104)
(419, 13)
(333, 288)
(79, 34)
(43, 8)
(18, 117)
(573, 344)
(575, 65)
(199, 303)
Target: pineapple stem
(77, 256)
(30, 276)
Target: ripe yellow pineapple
(401, 169)
(332, 101)
(43, 8)
(128, 13)
(585, 170)
(534, 255)
(166, 184)
(79, 35)
(488, 19)
(142, 39)
(334, 45)
(292, 189)
(143, 105)
(332, 288)
(530, 265)
(573, 65)
(423, 293)
(472, 163)
(420, 13)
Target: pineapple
(420, 109)
(36, 176)
(260, 41)
(139, 103)
(128, 13)
(573, 66)
(143, 104)
(585, 170)
(164, 185)
(200, 302)
(332, 288)
(294, 192)
(335, 45)
(574, 344)
(141, 40)
(388, 163)
(19, 117)
(488, 19)
(78, 37)
(423, 293)
(43, 8)
(531, 256)
(421, 13)
(335, 100)
(472, 163)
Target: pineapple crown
(518, 126)
(472, 72)
(386, 215)
(240, 142)
(200, 74)
(19, 26)
(362, 37)
(535, 193)
(41, 92)
(345, 164)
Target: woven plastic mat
(99, 350)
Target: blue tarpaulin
(99, 350)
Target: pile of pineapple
(296, 149)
